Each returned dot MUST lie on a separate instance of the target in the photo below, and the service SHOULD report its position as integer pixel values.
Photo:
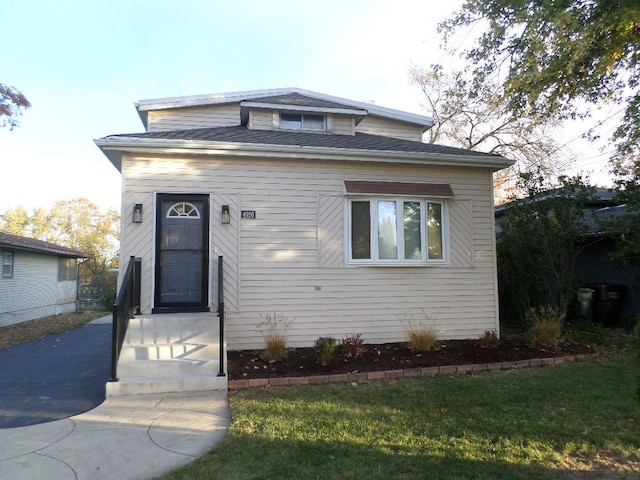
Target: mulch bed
(301, 362)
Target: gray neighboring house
(38, 279)
(613, 289)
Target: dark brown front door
(182, 253)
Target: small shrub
(351, 346)
(489, 339)
(546, 326)
(585, 331)
(274, 328)
(326, 347)
(421, 334)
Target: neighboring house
(38, 279)
(328, 211)
(613, 289)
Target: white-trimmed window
(402, 231)
(7, 264)
(302, 121)
(67, 269)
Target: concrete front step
(163, 368)
(196, 321)
(183, 383)
(169, 353)
(148, 336)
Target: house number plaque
(248, 214)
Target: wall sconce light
(226, 215)
(137, 213)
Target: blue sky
(83, 64)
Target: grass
(570, 421)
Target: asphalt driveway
(55, 377)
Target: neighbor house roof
(16, 242)
(280, 96)
(239, 140)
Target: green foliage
(326, 347)
(351, 346)
(489, 339)
(274, 328)
(12, 104)
(624, 229)
(546, 326)
(537, 244)
(557, 55)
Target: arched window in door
(183, 210)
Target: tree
(78, 224)
(12, 103)
(538, 243)
(476, 118)
(557, 56)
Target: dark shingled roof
(31, 244)
(361, 141)
(299, 101)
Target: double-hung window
(7, 264)
(394, 223)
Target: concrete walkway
(134, 437)
(129, 438)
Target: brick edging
(411, 372)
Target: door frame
(203, 304)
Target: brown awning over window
(400, 188)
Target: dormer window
(302, 121)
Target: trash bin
(585, 303)
(607, 302)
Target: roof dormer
(298, 112)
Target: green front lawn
(570, 421)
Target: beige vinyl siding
(290, 259)
(389, 128)
(342, 125)
(260, 119)
(227, 115)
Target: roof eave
(113, 148)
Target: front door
(182, 253)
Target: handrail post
(221, 316)
(115, 333)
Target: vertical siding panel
(461, 233)
(226, 240)
(330, 231)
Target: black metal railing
(126, 306)
(221, 315)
